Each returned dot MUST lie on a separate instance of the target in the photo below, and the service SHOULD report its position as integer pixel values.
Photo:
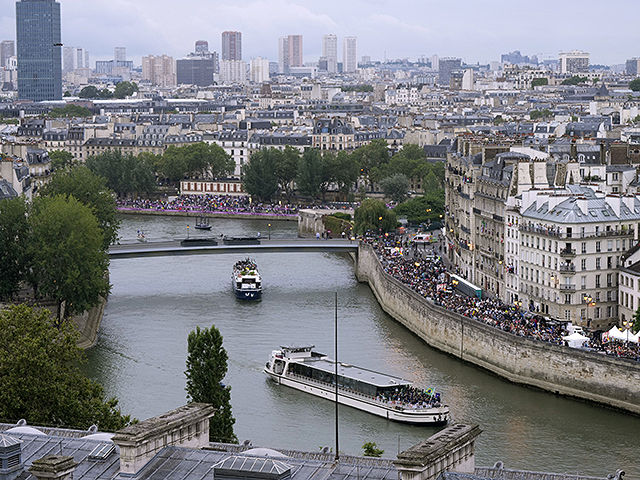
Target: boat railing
(371, 398)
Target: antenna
(336, 357)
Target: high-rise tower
(39, 50)
(330, 52)
(350, 54)
(231, 46)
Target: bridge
(181, 248)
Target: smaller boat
(203, 224)
(247, 283)
(141, 236)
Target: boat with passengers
(247, 283)
(388, 396)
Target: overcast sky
(476, 31)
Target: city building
(283, 54)
(231, 46)
(159, 70)
(633, 66)
(574, 62)
(109, 67)
(74, 58)
(7, 50)
(120, 54)
(233, 71)
(196, 70)
(295, 51)
(445, 67)
(259, 70)
(202, 46)
(39, 48)
(350, 55)
(330, 52)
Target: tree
(60, 159)
(124, 174)
(430, 182)
(70, 264)
(70, 110)
(287, 170)
(635, 85)
(259, 175)
(310, 173)
(575, 80)
(371, 156)
(14, 241)
(428, 207)
(374, 215)
(346, 173)
(125, 89)
(90, 190)
(395, 187)
(40, 377)
(172, 165)
(636, 321)
(89, 91)
(539, 82)
(372, 450)
(206, 369)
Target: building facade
(445, 67)
(233, 71)
(231, 46)
(574, 62)
(159, 70)
(259, 70)
(39, 50)
(7, 50)
(330, 52)
(195, 71)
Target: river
(155, 303)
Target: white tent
(575, 340)
(616, 334)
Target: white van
(422, 238)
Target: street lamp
(380, 224)
(269, 231)
(589, 301)
(187, 232)
(627, 324)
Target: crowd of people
(207, 204)
(410, 397)
(426, 274)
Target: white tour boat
(247, 283)
(385, 395)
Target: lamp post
(589, 301)
(380, 225)
(627, 324)
(187, 232)
(269, 231)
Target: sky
(476, 31)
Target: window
(583, 264)
(598, 249)
(567, 298)
(609, 262)
(598, 263)
(584, 247)
(609, 280)
(597, 281)
(567, 314)
(583, 283)
(609, 245)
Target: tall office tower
(79, 57)
(633, 66)
(350, 54)
(120, 54)
(87, 64)
(233, 71)
(68, 59)
(159, 70)
(39, 50)
(7, 50)
(445, 67)
(295, 51)
(283, 55)
(202, 46)
(231, 46)
(259, 70)
(330, 52)
(574, 62)
(435, 62)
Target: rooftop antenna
(336, 375)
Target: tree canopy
(40, 378)
(259, 175)
(539, 82)
(395, 187)
(206, 369)
(90, 190)
(371, 156)
(635, 85)
(287, 170)
(60, 159)
(125, 89)
(14, 241)
(69, 261)
(428, 207)
(575, 80)
(91, 91)
(70, 110)
(374, 215)
(124, 174)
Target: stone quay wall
(611, 381)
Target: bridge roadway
(174, 248)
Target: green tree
(60, 159)
(70, 264)
(125, 89)
(89, 91)
(310, 173)
(206, 369)
(372, 450)
(428, 207)
(395, 187)
(374, 215)
(90, 190)
(575, 80)
(346, 173)
(636, 321)
(539, 82)
(259, 175)
(635, 85)
(287, 170)
(371, 157)
(430, 182)
(14, 242)
(40, 378)
(105, 94)
(172, 165)
(70, 110)
(125, 174)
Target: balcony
(465, 229)
(549, 232)
(568, 252)
(477, 211)
(498, 218)
(568, 287)
(571, 268)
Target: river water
(155, 303)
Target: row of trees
(122, 90)
(314, 172)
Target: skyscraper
(7, 50)
(330, 52)
(350, 55)
(202, 46)
(120, 54)
(283, 55)
(445, 67)
(39, 50)
(574, 62)
(231, 46)
(295, 51)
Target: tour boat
(246, 280)
(388, 396)
(203, 224)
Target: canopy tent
(575, 340)
(616, 334)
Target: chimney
(187, 426)
(615, 203)
(10, 457)
(53, 467)
(629, 201)
(450, 450)
(583, 205)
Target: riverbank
(609, 381)
(198, 214)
